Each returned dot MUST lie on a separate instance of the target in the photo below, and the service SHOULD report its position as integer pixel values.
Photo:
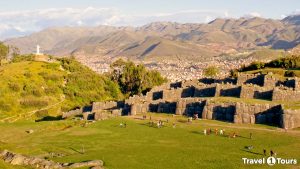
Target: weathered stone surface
(192, 97)
(18, 159)
(290, 119)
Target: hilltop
(166, 40)
(40, 89)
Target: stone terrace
(266, 92)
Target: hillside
(166, 40)
(38, 89)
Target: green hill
(37, 89)
(288, 66)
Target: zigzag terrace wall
(199, 97)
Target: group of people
(216, 131)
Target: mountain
(166, 40)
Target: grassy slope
(141, 146)
(40, 81)
(26, 74)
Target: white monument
(38, 50)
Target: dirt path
(31, 113)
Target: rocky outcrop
(39, 163)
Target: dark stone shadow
(50, 118)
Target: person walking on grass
(271, 153)
(265, 152)
(221, 132)
(204, 132)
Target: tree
(211, 71)
(134, 79)
(4, 50)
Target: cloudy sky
(22, 17)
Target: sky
(23, 17)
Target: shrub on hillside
(85, 86)
(41, 114)
(33, 102)
(53, 77)
(5, 106)
(31, 89)
(21, 58)
(14, 86)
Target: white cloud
(20, 23)
(253, 14)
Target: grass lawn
(143, 147)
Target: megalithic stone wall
(286, 94)
(228, 90)
(297, 83)
(258, 113)
(256, 92)
(219, 111)
(290, 119)
(257, 79)
(271, 81)
(190, 106)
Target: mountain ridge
(190, 40)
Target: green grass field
(141, 146)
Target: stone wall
(173, 94)
(286, 94)
(271, 81)
(72, 113)
(190, 106)
(204, 90)
(290, 119)
(257, 79)
(219, 111)
(228, 90)
(98, 106)
(256, 92)
(297, 83)
(258, 113)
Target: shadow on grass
(50, 118)
(76, 150)
(197, 132)
(251, 152)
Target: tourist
(204, 132)
(265, 152)
(271, 153)
(216, 131)
(125, 125)
(221, 132)
(174, 125)
(158, 124)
